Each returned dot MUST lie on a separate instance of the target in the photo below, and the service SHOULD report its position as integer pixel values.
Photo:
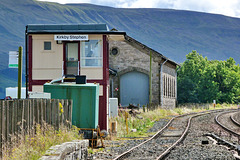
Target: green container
(85, 101)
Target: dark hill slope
(173, 33)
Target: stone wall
(169, 89)
(134, 57)
(130, 59)
(68, 151)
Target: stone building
(129, 61)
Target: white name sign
(13, 59)
(71, 37)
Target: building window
(91, 53)
(114, 51)
(47, 45)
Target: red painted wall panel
(30, 62)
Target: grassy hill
(174, 33)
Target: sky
(224, 7)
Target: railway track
(159, 145)
(227, 122)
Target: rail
(167, 151)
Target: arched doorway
(134, 88)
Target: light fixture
(59, 42)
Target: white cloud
(138, 4)
(225, 7)
(68, 1)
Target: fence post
(7, 121)
(44, 110)
(14, 117)
(3, 122)
(1, 117)
(70, 102)
(65, 113)
(31, 117)
(58, 115)
(48, 111)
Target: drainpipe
(162, 81)
(112, 83)
(26, 61)
(176, 85)
(176, 89)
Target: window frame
(45, 45)
(98, 58)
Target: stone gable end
(133, 57)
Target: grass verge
(34, 147)
(149, 118)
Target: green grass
(149, 118)
(34, 147)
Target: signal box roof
(70, 28)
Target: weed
(90, 151)
(149, 118)
(34, 146)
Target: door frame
(64, 56)
(127, 70)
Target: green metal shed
(85, 101)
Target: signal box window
(47, 45)
(91, 53)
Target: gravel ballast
(190, 148)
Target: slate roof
(70, 28)
(143, 46)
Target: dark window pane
(47, 45)
(114, 51)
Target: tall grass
(33, 147)
(142, 124)
(148, 118)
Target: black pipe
(26, 60)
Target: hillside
(173, 33)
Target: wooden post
(70, 104)
(22, 127)
(1, 117)
(31, 117)
(48, 111)
(65, 113)
(20, 49)
(3, 122)
(14, 117)
(58, 115)
(9, 119)
(126, 119)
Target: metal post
(20, 49)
